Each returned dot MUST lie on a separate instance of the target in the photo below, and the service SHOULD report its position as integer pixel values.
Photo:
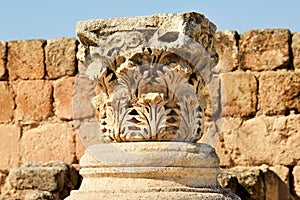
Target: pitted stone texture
(34, 100)
(279, 92)
(263, 50)
(26, 59)
(276, 137)
(238, 94)
(248, 183)
(63, 96)
(7, 103)
(227, 48)
(52, 180)
(9, 154)
(54, 176)
(49, 142)
(3, 60)
(296, 50)
(61, 57)
(39, 195)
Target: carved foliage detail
(153, 99)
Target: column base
(150, 170)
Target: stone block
(34, 100)
(7, 103)
(3, 54)
(281, 173)
(279, 92)
(84, 92)
(296, 50)
(61, 57)
(212, 96)
(258, 183)
(296, 175)
(260, 140)
(63, 96)
(263, 50)
(49, 142)
(56, 177)
(246, 182)
(26, 59)
(238, 94)
(227, 48)
(9, 154)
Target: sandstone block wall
(259, 75)
(36, 96)
(260, 100)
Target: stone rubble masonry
(296, 175)
(7, 103)
(279, 92)
(226, 44)
(242, 141)
(9, 146)
(263, 50)
(3, 55)
(26, 59)
(49, 142)
(34, 100)
(296, 50)
(61, 57)
(238, 94)
(63, 93)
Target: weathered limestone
(279, 92)
(3, 54)
(63, 93)
(7, 103)
(49, 142)
(238, 94)
(37, 106)
(61, 57)
(26, 59)
(153, 75)
(276, 136)
(257, 183)
(281, 173)
(169, 170)
(227, 48)
(296, 50)
(263, 50)
(296, 175)
(9, 137)
(35, 180)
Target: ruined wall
(260, 103)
